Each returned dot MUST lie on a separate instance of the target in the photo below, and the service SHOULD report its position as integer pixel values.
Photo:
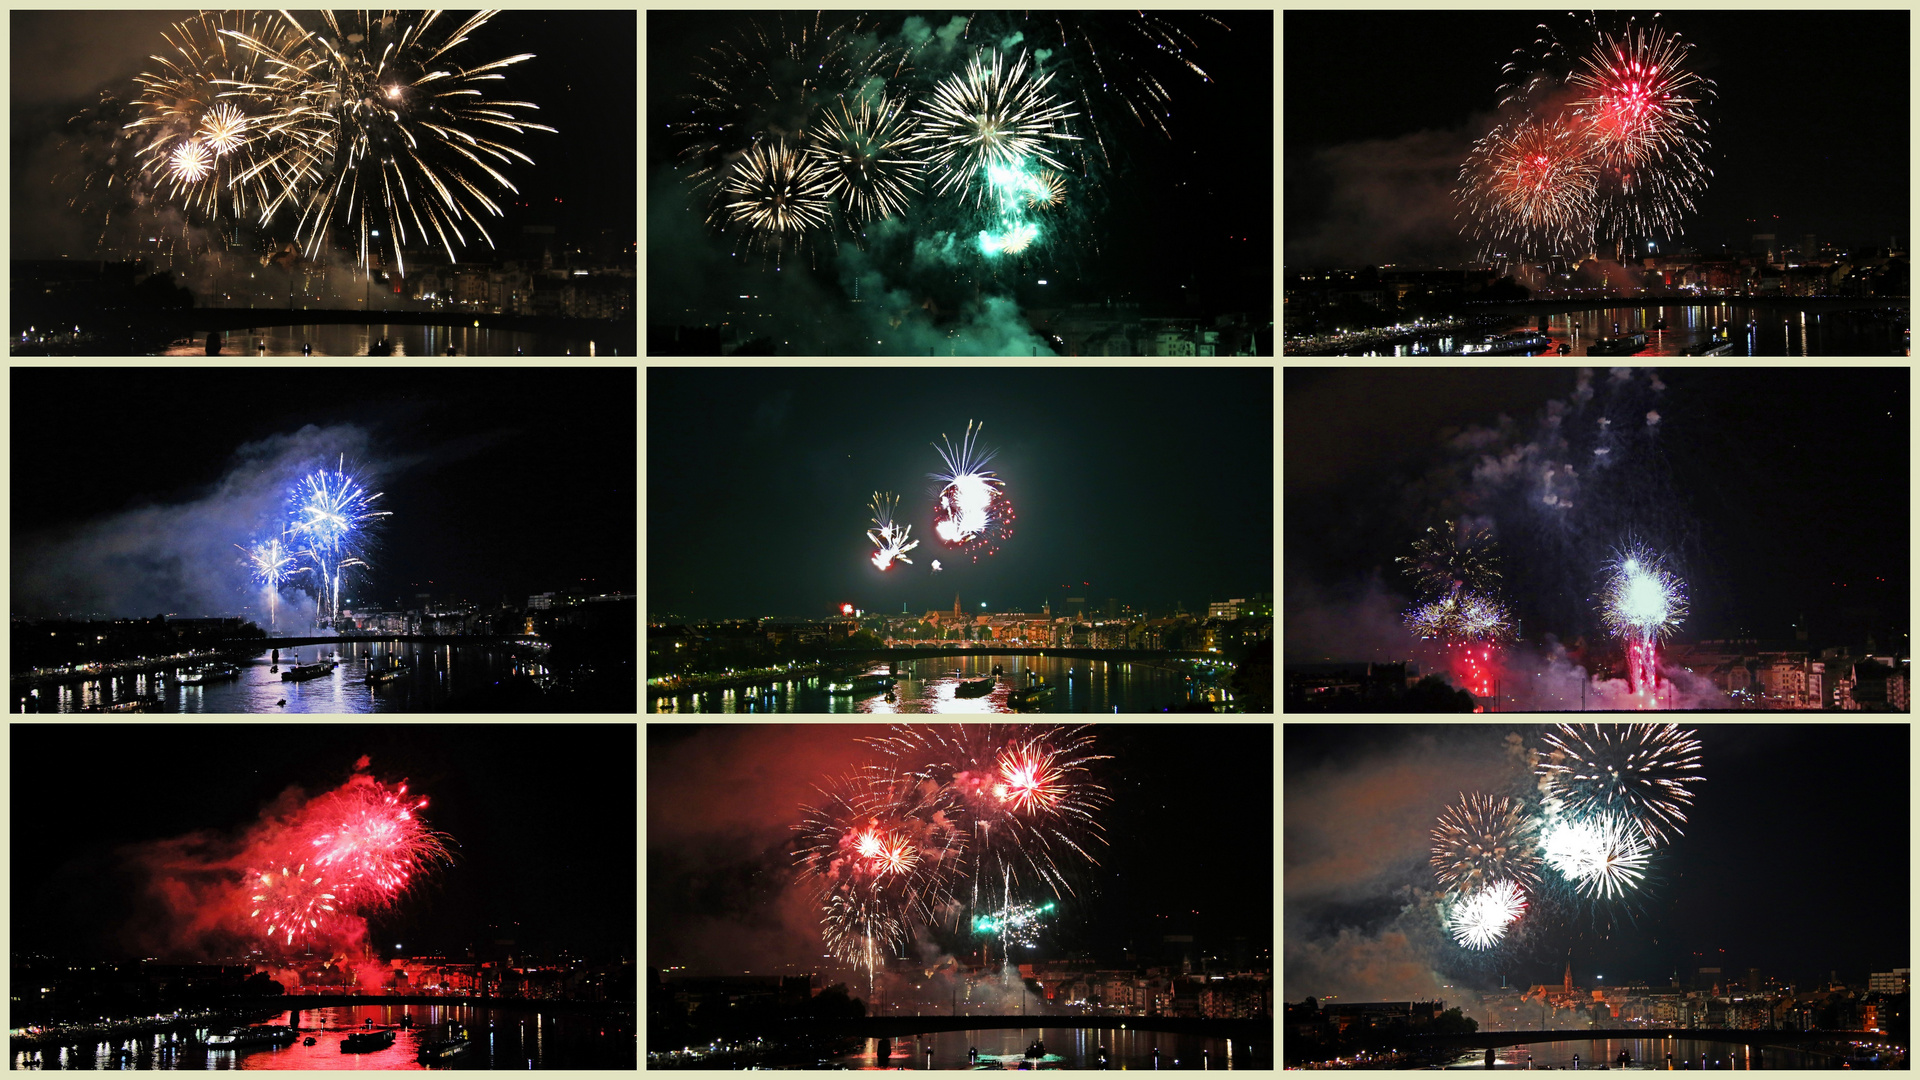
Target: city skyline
(1111, 495)
(1361, 895)
(1371, 161)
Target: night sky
(1383, 106)
(581, 76)
(1148, 485)
(1190, 851)
(1779, 495)
(130, 486)
(1174, 224)
(1794, 860)
(542, 816)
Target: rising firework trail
(889, 536)
(1480, 919)
(1483, 840)
(971, 510)
(1641, 771)
(1641, 604)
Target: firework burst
(1532, 185)
(1023, 793)
(1461, 617)
(1480, 919)
(1642, 603)
(404, 140)
(869, 157)
(1604, 855)
(290, 900)
(992, 115)
(1483, 840)
(373, 842)
(1640, 771)
(971, 509)
(271, 564)
(332, 514)
(888, 535)
(776, 195)
(1453, 557)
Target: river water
(436, 672)
(1066, 1048)
(344, 340)
(1646, 1054)
(929, 686)
(1754, 331)
(502, 1039)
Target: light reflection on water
(328, 339)
(1066, 1048)
(501, 1039)
(930, 685)
(1646, 1054)
(435, 673)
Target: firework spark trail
(1641, 604)
(887, 535)
(332, 513)
(1480, 919)
(1483, 840)
(1605, 855)
(992, 115)
(1641, 771)
(971, 510)
(290, 900)
(870, 158)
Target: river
(502, 1039)
(1754, 331)
(929, 685)
(435, 672)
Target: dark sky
(1737, 890)
(1741, 483)
(1150, 215)
(543, 817)
(1384, 105)
(723, 800)
(581, 76)
(500, 481)
(1149, 485)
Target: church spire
(1568, 984)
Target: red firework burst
(291, 899)
(1639, 96)
(372, 840)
